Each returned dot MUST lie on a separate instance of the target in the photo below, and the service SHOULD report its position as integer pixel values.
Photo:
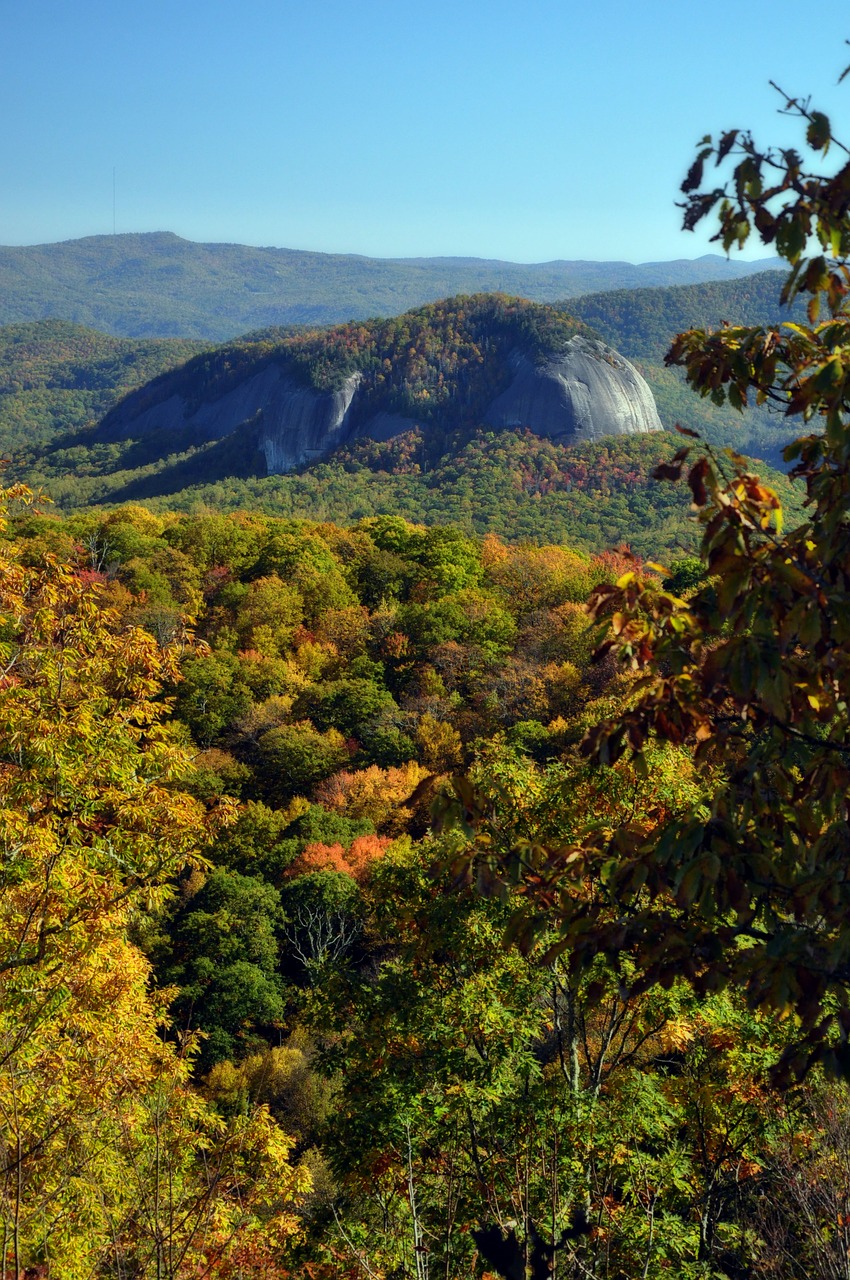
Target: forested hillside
(438, 367)
(642, 322)
(157, 285)
(57, 378)
(373, 1071)
(509, 483)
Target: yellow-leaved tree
(109, 1161)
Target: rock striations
(300, 424)
(290, 423)
(569, 386)
(585, 392)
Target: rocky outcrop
(293, 423)
(580, 391)
(300, 424)
(587, 391)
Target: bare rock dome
(584, 392)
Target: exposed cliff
(294, 397)
(300, 424)
(582, 393)
(290, 423)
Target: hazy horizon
(414, 257)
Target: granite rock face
(584, 392)
(294, 424)
(300, 424)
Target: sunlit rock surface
(587, 391)
(582, 392)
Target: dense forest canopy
(57, 378)
(375, 1073)
(388, 897)
(347, 1000)
(512, 484)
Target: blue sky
(547, 129)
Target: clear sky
(526, 131)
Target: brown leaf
(696, 481)
(666, 471)
(726, 144)
(694, 177)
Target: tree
(224, 957)
(749, 886)
(202, 1195)
(379, 795)
(89, 765)
(479, 1088)
(93, 824)
(295, 756)
(211, 694)
(269, 615)
(323, 917)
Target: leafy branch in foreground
(749, 887)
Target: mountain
(291, 399)
(159, 285)
(432, 376)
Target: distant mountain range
(158, 285)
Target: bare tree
(803, 1211)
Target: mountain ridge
(58, 380)
(157, 284)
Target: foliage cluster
(109, 1162)
(743, 888)
(458, 1108)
